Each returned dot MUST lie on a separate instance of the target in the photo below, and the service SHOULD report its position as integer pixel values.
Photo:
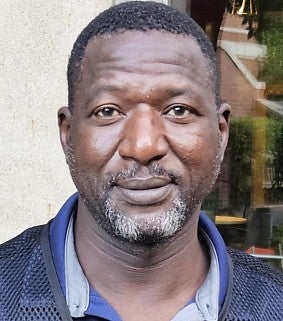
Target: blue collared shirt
(83, 299)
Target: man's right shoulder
(18, 249)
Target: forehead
(136, 62)
(138, 49)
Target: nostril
(156, 158)
(143, 153)
(148, 161)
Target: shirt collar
(76, 288)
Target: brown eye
(107, 112)
(178, 111)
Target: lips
(144, 191)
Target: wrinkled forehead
(138, 49)
(141, 40)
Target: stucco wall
(35, 41)
(36, 38)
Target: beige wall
(35, 41)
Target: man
(144, 136)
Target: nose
(144, 138)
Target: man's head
(139, 16)
(145, 138)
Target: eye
(107, 112)
(178, 111)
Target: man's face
(144, 142)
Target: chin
(146, 228)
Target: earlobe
(64, 124)
(223, 118)
(225, 110)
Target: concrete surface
(35, 41)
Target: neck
(175, 267)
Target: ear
(223, 123)
(64, 124)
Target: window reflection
(247, 203)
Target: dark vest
(30, 290)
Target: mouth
(144, 191)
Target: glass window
(247, 202)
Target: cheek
(93, 147)
(195, 147)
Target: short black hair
(139, 16)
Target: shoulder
(20, 262)
(257, 290)
(16, 254)
(254, 268)
(25, 240)
(28, 281)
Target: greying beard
(147, 230)
(135, 229)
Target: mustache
(134, 171)
(141, 171)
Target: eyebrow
(105, 87)
(173, 92)
(178, 91)
(166, 90)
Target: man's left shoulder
(254, 267)
(257, 289)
